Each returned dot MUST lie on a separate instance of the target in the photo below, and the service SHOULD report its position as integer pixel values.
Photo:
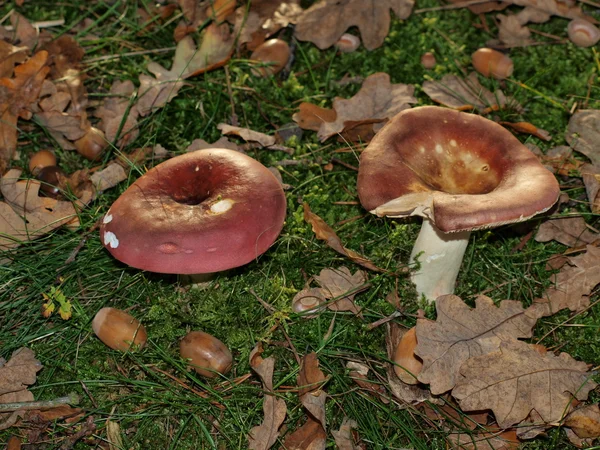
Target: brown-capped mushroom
(207, 355)
(406, 364)
(50, 178)
(492, 63)
(583, 33)
(41, 159)
(273, 56)
(460, 172)
(202, 212)
(118, 329)
(428, 60)
(347, 43)
(92, 144)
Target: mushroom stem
(440, 256)
(197, 280)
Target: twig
(139, 52)
(345, 164)
(384, 320)
(265, 305)
(42, 24)
(71, 399)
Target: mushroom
(492, 63)
(92, 144)
(273, 54)
(428, 60)
(202, 212)
(583, 33)
(347, 43)
(50, 177)
(41, 159)
(460, 172)
(406, 364)
(118, 329)
(207, 355)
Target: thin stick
(384, 320)
(42, 24)
(71, 399)
(140, 52)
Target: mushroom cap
(460, 170)
(205, 211)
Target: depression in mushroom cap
(203, 212)
(460, 172)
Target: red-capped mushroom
(202, 212)
(460, 172)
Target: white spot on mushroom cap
(221, 206)
(110, 239)
(453, 143)
(438, 148)
(107, 218)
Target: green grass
(152, 409)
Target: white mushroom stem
(440, 256)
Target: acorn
(347, 43)
(206, 354)
(41, 159)
(118, 329)
(583, 33)
(92, 144)
(492, 63)
(308, 300)
(407, 365)
(50, 181)
(273, 52)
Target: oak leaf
(9, 56)
(460, 333)
(340, 284)
(310, 436)
(466, 93)
(516, 379)
(247, 134)
(591, 179)
(118, 114)
(324, 22)
(343, 436)
(573, 285)
(500, 440)
(311, 117)
(570, 231)
(377, 101)
(585, 421)
(583, 134)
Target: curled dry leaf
(262, 437)
(360, 375)
(572, 286)
(516, 378)
(585, 421)
(247, 134)
(569, 231)
(108, 177)
(500, 440)
(583, 134)
(9, 56)
(15, 375)
(340, 284)
(325, 233)
(310, 378)
(310, 436)
(591, 180)
(460, 333)
(467, 93)
(343, 436)
(324, 22)
(311, 117)
(377, 101)
(553, 7)
(118, 116)
(528, 128)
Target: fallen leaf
(340, 284)
(572, 286)
(310, 436)
(553, 7)
(585, 421)
(528, 128)
(516, 378)
(501, 440)
(343, 436)
(113, 435)
(359, 373)
(215, 50)
(532, 426)
(108, 177)
(325, 233)
(310, 377)
(466, 93)
(577, 441)
(25, 33)
(583, 134)
(247, 134)
(591, 180)
(263, 436)
(451, 417)
(324, 23)
(460, 333)
(311, 117)
(558, 159)
(118, 116)
(15, 375)
(569, 231)
(17, 96)
(222, 142)
(376, 101)
(512, 31)
(9, 56)
(57, 413)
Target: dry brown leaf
(482, 8)
(9, 56)
(262, 437)
(501, 440)
(451, 417)
(512, 32)
(466, 93)
(377, 101)
(583, 134)
(554, 7)
(528, 128)
(324, 22)
(569, 231)
(113, 435)
(118, 115)
(558, 159)
(460, 333)
(585, 421)
(310, 378)
(15, 375)
(573, 285)
(108, 177)
(68, 126)
(591, 180)
(24, 215)
(24, 32)
(57, 413)
(325, 233)
(215, 50)
(342, 285)
(247, 134)
(222, 142)
(577, 441)
(516, 379)
(155, 92)
(359, 373)
(17, 95)
(532, 426)
(311, 117)
(310, 436)
(343, 436)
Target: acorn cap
(461, 171)
(205, 211)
